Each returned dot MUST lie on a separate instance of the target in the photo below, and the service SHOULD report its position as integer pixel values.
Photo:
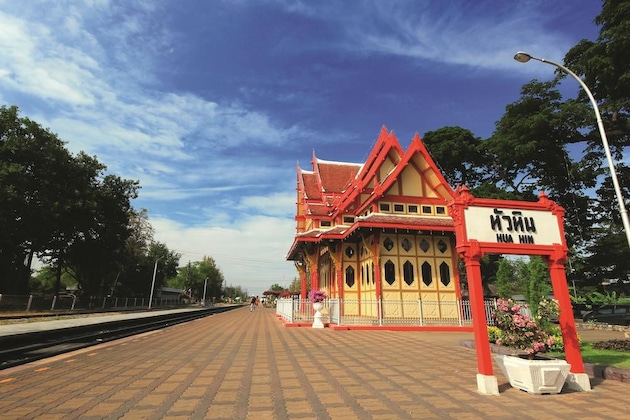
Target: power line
(231, 257)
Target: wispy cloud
(216, 155)
(477, 34)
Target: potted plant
(528, 371)
(317, 297)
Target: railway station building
(378, 232)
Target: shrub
(617, 345)
(519, 331)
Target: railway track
(24, 348)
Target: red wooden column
(314, 270)
(303, 284)
(340, 281)
(339, 270)
(376, 258)
(471, 252)
(578, 379)
(486, 381)
(472, 255)
(557, 273)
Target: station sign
(510, 225)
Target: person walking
(252, 304)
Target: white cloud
(250, 254)
(273, 204)
(34, 63)
(90, 71)
(474, 35)
(89, 77)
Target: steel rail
(24, 348)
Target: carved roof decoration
(333, 189)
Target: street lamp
(523, 57)
(153, 282)
(205, 285)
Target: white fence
(383, 312)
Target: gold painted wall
(417, 267)
(411, 182)
(349, 257)
(412, 267)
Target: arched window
(349, 252)
(427, 275)
(408, 273)
(350, 276)
(445, 274)
(362, 274)
(390, 272)
(373, 281)
(441, 246)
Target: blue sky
(212, 104)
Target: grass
(614, 358)
(618, 359)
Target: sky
(212, 104)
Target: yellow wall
(401, 298)
(433, 252)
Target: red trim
(334, 327)
(444, 328)
(471, 251)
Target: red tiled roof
(318, 209)
(337, 230)
(310, 185)
(336, 176)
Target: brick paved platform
(243, 365)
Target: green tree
(235, 294)
(529, 153)
(97, 251)
(511, 277)
(134, 261)
(276, 287)
(296, 285)
(199, 274)
(38, 193)
(539, 285)
(458, 153)
(45, 281)
(159, 260)
(58, 207)
(604, 65)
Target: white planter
(545, 376)
(317, 317)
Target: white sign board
(500, 225)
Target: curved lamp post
(205, 286)
(524, 57)
(153, 282)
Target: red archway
(488, 226)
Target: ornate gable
(389, 172)
(417, 175)
(394, 188)
(319, 188)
